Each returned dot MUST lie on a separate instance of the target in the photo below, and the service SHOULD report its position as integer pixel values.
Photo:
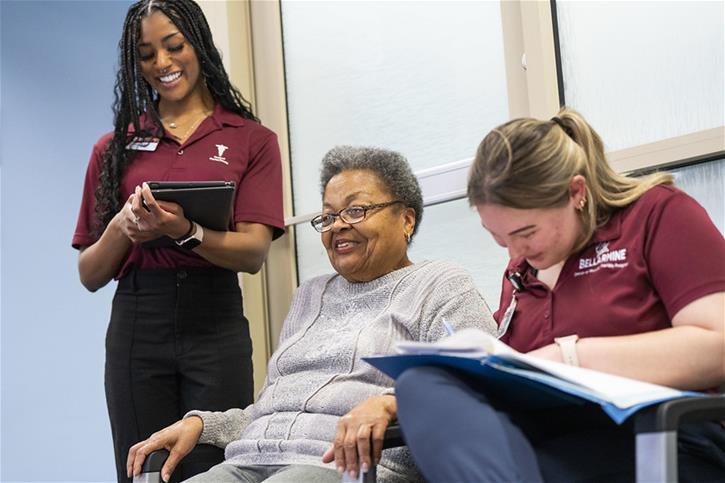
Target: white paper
(473, 343)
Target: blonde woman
(617, 274)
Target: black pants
(178, 340)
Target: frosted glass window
(706, 183)
(643, 71)
(453, 231)
(311, 255)
(425, 78)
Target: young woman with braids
(618, 274)
(177, 337)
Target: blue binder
(518, 384)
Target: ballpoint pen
(448, 327)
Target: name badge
(507, 316)
(143, 144)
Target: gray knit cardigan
(317, 375)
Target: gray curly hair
(390, 167)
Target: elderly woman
(607, 272)
(318, 390)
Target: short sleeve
(685, 253)
(259, 194)
(86, 227)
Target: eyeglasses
(351, 215)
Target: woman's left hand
(157, 218)
(363, 425)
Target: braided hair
(133, 96)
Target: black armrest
(393, 437)
(669, 415)
(155, 461)
(657, 429)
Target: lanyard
(515, 279)
(507, 316)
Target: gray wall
(57, 68)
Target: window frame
(534, 84)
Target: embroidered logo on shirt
(602, 248)
(220, 154)
(603, 259)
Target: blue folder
(518, 385)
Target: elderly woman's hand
(179, 438)
(363, 425)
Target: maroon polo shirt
(224, 147)
(648, 262)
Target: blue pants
(458, 433)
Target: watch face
(190, 243)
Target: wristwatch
(193, 240)
(568, 349)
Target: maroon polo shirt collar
(521, 266)
(610, 231)
(220, 117)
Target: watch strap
(567, 345)
(194, 240)
(187, 234)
